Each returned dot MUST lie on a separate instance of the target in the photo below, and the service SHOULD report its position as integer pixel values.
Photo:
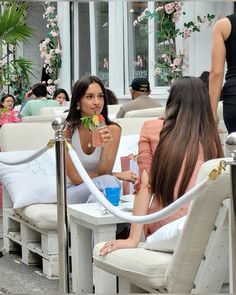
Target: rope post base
(63, 246)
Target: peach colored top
(148, 141)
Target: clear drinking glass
(97, 140)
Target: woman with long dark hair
(89, 108)
(171, 151)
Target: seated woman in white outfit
(89, 99)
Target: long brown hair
(188, 123)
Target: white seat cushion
(43, 216)
(136, 264)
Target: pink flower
(169, 8)
(159, 8)
(177, 62)
(57, 81)
(43, 54)
(58, 51)
(178, 6)
(53, 33)
(50, 9)
(51, 89)
(187, 32)
(176, 16)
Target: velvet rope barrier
(179, 203)
(30, 158)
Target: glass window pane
(84, 40)
(102, 42)
(137, 42)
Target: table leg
(104, 282)
(81, 247)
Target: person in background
(205, 78)
(111, 97)
(89, 100)
(171, 151)
(7, 112)
(61, 96)
(141, 63)
(33, 107)
(223, 49)
(140, 91)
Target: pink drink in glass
(99, 122)
(97, 140)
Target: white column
(116, 54)
(93, 38)
(63, 12)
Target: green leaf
(12, 27)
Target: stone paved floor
(16, 277)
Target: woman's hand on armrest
(113, 245)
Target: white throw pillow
(30, 183)
(165, 238)
(128, 145)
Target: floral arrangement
(170, 63)
(8, 116)
(50, 48)
(93, 122)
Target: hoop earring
(78, 108)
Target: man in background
(140, 91)
(33, 107)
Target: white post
(63, 14)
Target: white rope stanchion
(179, 203)
(30, 158)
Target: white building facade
(99, 38)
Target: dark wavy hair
(61, 90)
(78, 92)
(188, 123)
(40, 90)
(4, 97)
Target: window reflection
(138, 43)
(102, 45)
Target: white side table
(89, 227)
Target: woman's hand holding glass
(101, 136)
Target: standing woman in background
(224, 49)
